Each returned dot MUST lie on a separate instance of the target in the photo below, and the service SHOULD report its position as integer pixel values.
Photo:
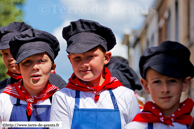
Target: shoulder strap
(50, 99)
(150, 125)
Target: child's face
(35, 71)
(165, 91)
(89, 66)
(9, 61)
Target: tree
(9, 12)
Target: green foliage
(9, 12)
(3, 69)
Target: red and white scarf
(18, 91)
(109, 83)
(13, 75)
(152, 113)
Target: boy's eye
(77, 58)
(27, 62)
(172, 81)
(4, 54)
(42, 60)
(157, 81)
(90, 57)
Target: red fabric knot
(182, 115)
(17, 90)
(109, 83)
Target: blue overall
(96, 118)
(150, 126)
(39, 113)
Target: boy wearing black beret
(92, 98)
(166, 72)
(6, 33)
(30, 98)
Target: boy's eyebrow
(155, 78)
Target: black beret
(31, 42)
(83, 35)
(9, 31)
(120, 69)
(169, 58)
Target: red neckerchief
(152, 113)
(18, 91)
(109, 83)
(13, 75)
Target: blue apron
(39, 113)
(96, 118)
(150, 126)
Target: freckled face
(9, 61)
(88, 66)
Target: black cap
(31, 42)
(119, 68)
(83, 35)
(169, 58)
(9, 31)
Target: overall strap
(114, 101)
(77, 96)
(50, 99)
(18, 101)
(150, 125)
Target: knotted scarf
(152, 113)
(109, 83)
(18, 91)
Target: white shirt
(64, 100)
(144, 125)
(6, 106)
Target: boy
(166, 72)
(92, 98)
(6, 33)
(30, 98)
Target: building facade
(166, 20)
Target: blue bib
(39, 113)
(96, 118)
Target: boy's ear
(186, 83)
(53, 67)
(144, 83)
(107, 57)
(69, 58)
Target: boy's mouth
(85, 71)
(11, 64)
(36, 76)
(166, 98)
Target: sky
(122, 16)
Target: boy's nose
(165, 88)
(35, 66)
(10, 58)
(85, 62)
